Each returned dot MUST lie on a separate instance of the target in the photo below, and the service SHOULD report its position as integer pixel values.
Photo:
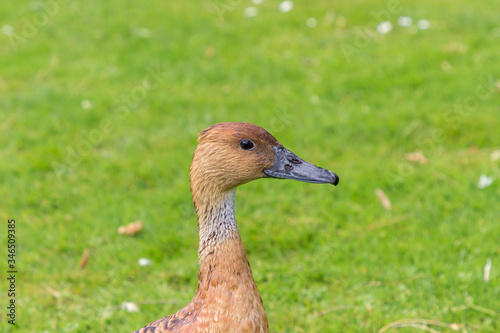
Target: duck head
(232, 154)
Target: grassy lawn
(100, 106)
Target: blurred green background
(101, 102)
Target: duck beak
(287, 165)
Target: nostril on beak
(288, 167)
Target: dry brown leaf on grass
(384, 200)
(473, 149)
(417, 156)
(130, 229)
(84, 259)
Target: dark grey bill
(287, 165)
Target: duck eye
(247, 144)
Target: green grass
(326, 259)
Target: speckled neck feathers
(217, 222)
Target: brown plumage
(227, 298)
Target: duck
(228, 155)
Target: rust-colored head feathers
(238, 130)
(231, 154)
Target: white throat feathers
(219, 222)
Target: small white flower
(487, 270)
(144, 262)
(7, 30)
(424, 24)
(384, 27)
(250, 12)
(130, 307)
(495, 155)
(285, 6)
(484, 181)
(86, 104)
(405, 21)
(311, 22)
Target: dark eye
(247, 144)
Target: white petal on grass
(311, 22)
(257, 2)
(405, 21)
(487, 270)
(495, 155)
(424, 24)
(7, 30)
(484, 181)
(144, 262)
(285, 6)
(86, 104)
(130, 307)
(384, 27)
(250, 12)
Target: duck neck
(223, 260)
(216, 220)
